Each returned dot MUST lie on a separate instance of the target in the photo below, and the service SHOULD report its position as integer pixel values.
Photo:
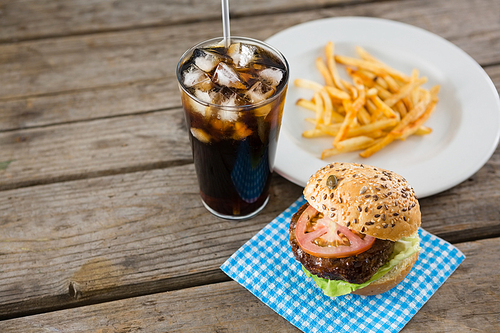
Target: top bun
(369, 200)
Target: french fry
(386, 110)
(375, 67)
(323, 70)
(310, 105)
(404, 91)
(348, 121)
(330, 62)
(423, 130)
(360, 87)
(378, 106)
(318, 101)
(337, 93)
(308, 84)
(378, 146)
(306, 104)
(328, 107)
(363, 116)
(356, 143)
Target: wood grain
(96, 148)
(91, 72)
(131, 233)
(127, 234)
(99, 204)
(35, 19)
(467, 301)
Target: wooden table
(96, 173)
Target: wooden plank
(93, 76)
(82, 62)
(104, 238)
(468, 301)
(71, 242)
(35, 19)
(87, 104)
(89, 149)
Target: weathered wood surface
(127, 234)
(56, 18)
(96, 173)
(467, 302)
(58, 80)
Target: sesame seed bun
(367, 199)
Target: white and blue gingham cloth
(265, 265)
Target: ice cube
(242, 54)
(200, 134)
(227, 76)
(206, 60)
(271, 75)
(259, 92)
(197, 107)
(241, 131)
(204, 96)
(196, 78)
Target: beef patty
(354, 269)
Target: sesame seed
(383, 217)
(331, 195)
(369, 223)
(323, 206)
(382, 178)
(363, 190)
(385, 225)
(368, 195)
(348, 223)
(363, 229)
(332, 215)
(325, 196)
(395, 214)
(360, 209)
(366, 209)
(377, 215)
(386, 207)
(312, 197)
(379, 207)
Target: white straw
(225, 23)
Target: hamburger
(358, 231)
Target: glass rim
(237, 108)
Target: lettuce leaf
(403, 249)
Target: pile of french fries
(379, 106)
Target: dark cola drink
(233, 100)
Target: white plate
(466, 122)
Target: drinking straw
(225, 23)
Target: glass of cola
(233, 99)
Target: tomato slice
(327, 231)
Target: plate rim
(471, 63)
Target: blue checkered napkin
(265, 265)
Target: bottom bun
(391, 279)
